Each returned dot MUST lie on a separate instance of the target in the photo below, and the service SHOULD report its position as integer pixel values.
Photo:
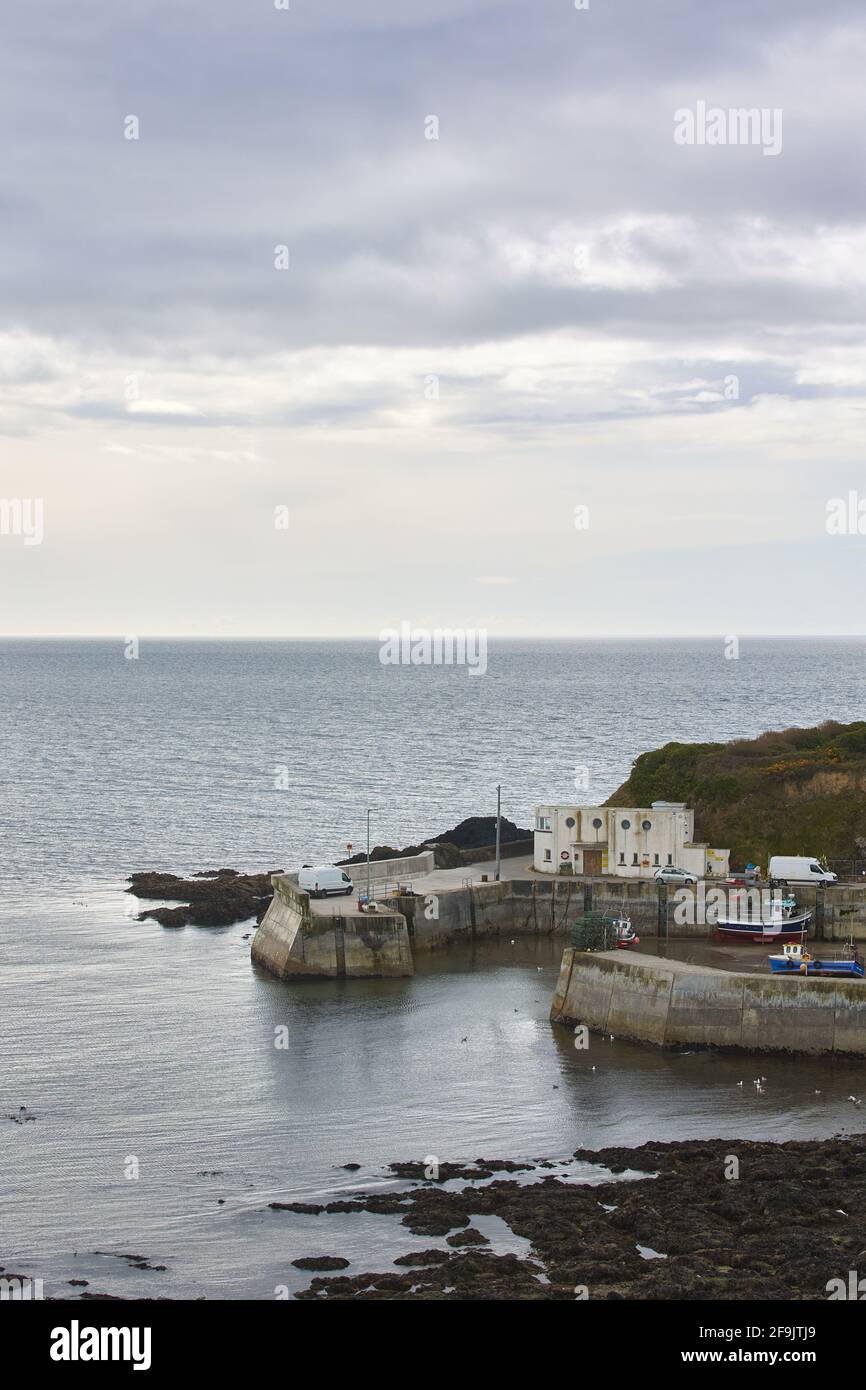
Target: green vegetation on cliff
(798, 791)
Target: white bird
(739, 1083)
(854, 1100)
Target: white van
(324, 879)
(787, 868)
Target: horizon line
(376, 637)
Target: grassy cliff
(798, 791)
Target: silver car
(669, 874)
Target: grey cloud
(306, 128)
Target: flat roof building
(628, 841)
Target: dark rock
(214, 899)
(423, 1257)
(321, 1262)
(474, 833)
(467, 1237)
(305, 1208)
(722, 1238)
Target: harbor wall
(672, 1004)
(514, 907)
(294, 944)
(390, 870)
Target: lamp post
(498, 845)
(368, 856)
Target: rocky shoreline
(676, 1226)
(792, 1221)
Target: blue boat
(797, 960)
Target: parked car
(324, 880)
(670, 874)
(798, 868)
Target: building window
(621, 857)
(570, 822)
(655, 859)
(542, 822)
(547, 856)
(670, 859)
(626, 824)
(634, 859)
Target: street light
(368, 856)
(498, 845)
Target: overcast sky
(552, 305)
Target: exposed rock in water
(215, 898)
(723, 1239)
(319, 1262)
(468, 1237)
(451, 846)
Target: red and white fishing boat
(625, 932)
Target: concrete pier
(674, 1004)
(293, 944)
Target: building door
(592, 861)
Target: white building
(629, 841)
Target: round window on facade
(626, 825)
(597, 823)
(647, 824)
(570, 822)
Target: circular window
(570, 821)
(597, 823)
(626, 825)
(647, 824)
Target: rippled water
(130, 1042)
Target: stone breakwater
(674, 1004)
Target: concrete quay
(675, 1004)
(301, 937)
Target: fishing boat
(798, 960)
(625, 932)
(762, 918)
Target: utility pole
(498, 844)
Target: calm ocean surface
(129, 1042)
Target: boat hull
(844, 969)
(761, 933)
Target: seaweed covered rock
(214, 898)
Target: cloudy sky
(239, 275)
